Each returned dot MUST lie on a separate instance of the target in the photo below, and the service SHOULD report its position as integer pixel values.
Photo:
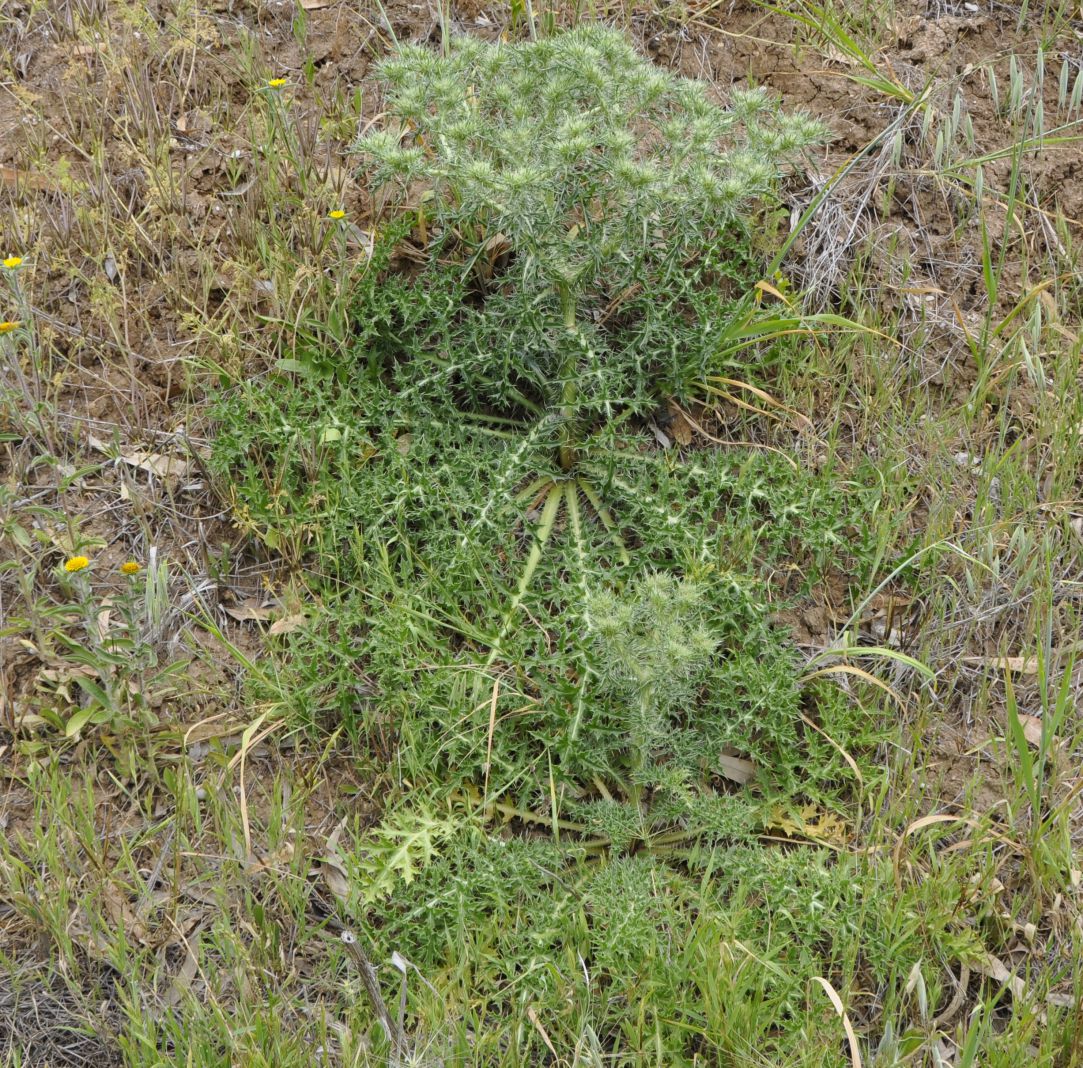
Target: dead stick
(372, 988)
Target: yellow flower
(12, 262)
(130, 567)
(8, 325)
(276, 83)
(338, 213)
(76, 563)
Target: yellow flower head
(338, 213)
(129, 567)
(12, 262)
(76, 563)
(8, 325)
(276, 83)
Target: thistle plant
(584, 217)
(652, 645)
(605, 186)
(565, 242)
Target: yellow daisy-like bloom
(76, 563)
(276, 83)
(12, 262)
(8, 325)
(130, 567)
(338, 213)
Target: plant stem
(527, 816)
(641, 745)
(567, 373)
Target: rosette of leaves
(565, 243)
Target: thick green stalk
(567, 373)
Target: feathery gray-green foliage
(615, 194)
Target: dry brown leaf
(994, 968)
(315, 5)
(1032, 729)
(332, 868)
(68, 671)
(182, 981)
(60, 679)
(276, 861)
(102, 621)
(250, 611)
(157, 464)
(736, 768)
(17, 177)
(154, 463)
(1062, 1001)
(121, 913)
(1023, 665)
(287, 624)
(678, 426)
